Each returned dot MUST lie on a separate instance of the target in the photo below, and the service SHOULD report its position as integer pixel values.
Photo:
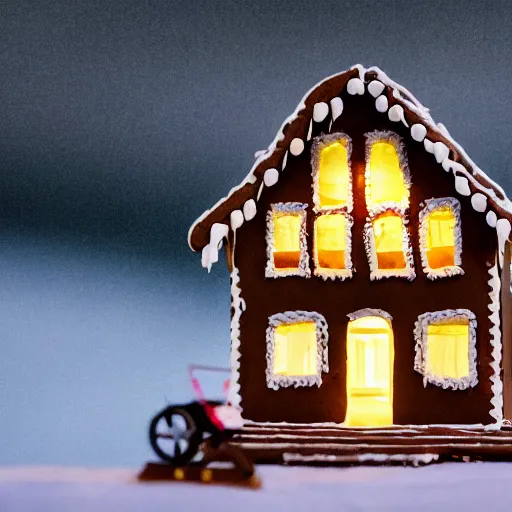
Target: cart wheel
(174, 436)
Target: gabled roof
(322, 100)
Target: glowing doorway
(370, 355)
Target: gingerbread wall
(404, 300)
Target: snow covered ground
(454, 487)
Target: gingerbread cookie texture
(366, 224)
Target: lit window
(370, 356)
(448, 350)
(296, 349)
(332, 187)
(387, 175)
(440, 237)
(332, 246)
(286, 241)
(388, 231)
(445, 348)
(387, 201)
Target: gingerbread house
(370, 268)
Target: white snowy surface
(437, 487)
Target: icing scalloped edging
(431, 206)
(421, 348)
(371, 253)
(333, 273)
(303, 269)
(396, 141)
(318, 144)
(275, 381)
(361, 313)
(238, 305)
(495, 339)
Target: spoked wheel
(174, 436)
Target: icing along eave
(486, 196)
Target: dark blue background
(120, 122)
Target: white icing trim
(415, 459)
(296, 146)
(303, 269)
(503, 228)
(495, 337)
(396, 141)
(355, 86)
(381, 104)
(491, 218)
(336, 108)
(421, 358)
(319, 143)
(479, 202)
(412, 104)
(238, 305)
(271, 177)
(320, 111)
(431, 206)
(336, 273)
(375, 88)
(371, 253)
(210, 252)
(275, 381)
(361, 313)
(418, 132)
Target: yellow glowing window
(286, 240)
(370, 357)
(440, 248)
(388, 233)
(295, 349)
(386, 179)
(333, 175)
(448, 349)
(330, 233)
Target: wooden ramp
(332, 445)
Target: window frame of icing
(432, 205)
(377, 273)
(421, 348)
(331, 273)
(398, 208)
(303, 269)
(318, 144)
(276, 381)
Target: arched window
(387, 184)
(332, 179)
(332, 198)
(441, 238)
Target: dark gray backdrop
(120, 122)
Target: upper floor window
(332, 245)
(287, 253)
(332, 178)
(441, 238)
(387, 174)
(387, 183)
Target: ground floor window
(446, 348)
(296, 349)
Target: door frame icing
(351, 418)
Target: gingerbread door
(370, 355)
